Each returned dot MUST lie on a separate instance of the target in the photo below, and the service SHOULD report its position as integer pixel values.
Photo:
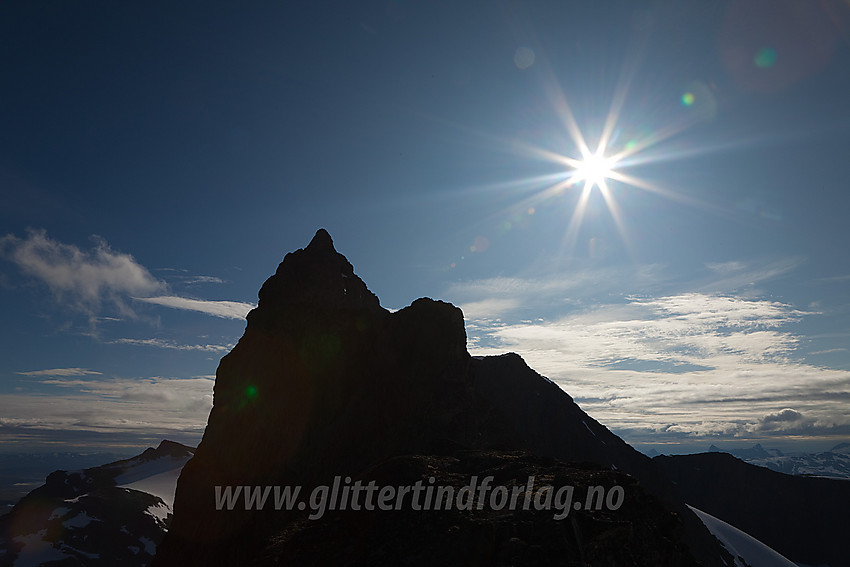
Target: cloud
(726, 267)
(85, 279)
(188, 279)
(786, 414)
(88, 280)
(581, 285)
(61, 372)
(488, 308)
(829, 350)
(192, 280)
(160, 343)
(736, 275)
(224, 309)
(787, 420)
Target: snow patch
(59, 512)
(159, 511)
(742, 545)
(161, 482)
(35, 550)
(153, 467)
(77, 499)
(150, 546)
(81, 520)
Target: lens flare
(766, 57)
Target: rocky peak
(314, 278)
(325, 382)
(322, 241)
(167, 448)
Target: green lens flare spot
(688, 99)
(251, 392)
(765, 58)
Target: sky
(646, 200)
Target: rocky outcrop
(325, 383)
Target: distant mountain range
(21, 472)
(834, 463)
(114, 514)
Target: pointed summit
(322, 241)
(316, 278)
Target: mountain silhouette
(325, 383)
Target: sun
(594, 169)
(606, 162)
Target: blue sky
(158, 160)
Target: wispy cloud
(160, 343)
(829, 350)
(224, 309)
(193, 280)
(61, 372)
(738, 275)
(489, 308)
(184, 279)
(506, 297)
(89, 280)
(84, 279)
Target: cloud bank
(108, 411)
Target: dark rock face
(806, 519)
(326, 382)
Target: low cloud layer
(120, 410)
